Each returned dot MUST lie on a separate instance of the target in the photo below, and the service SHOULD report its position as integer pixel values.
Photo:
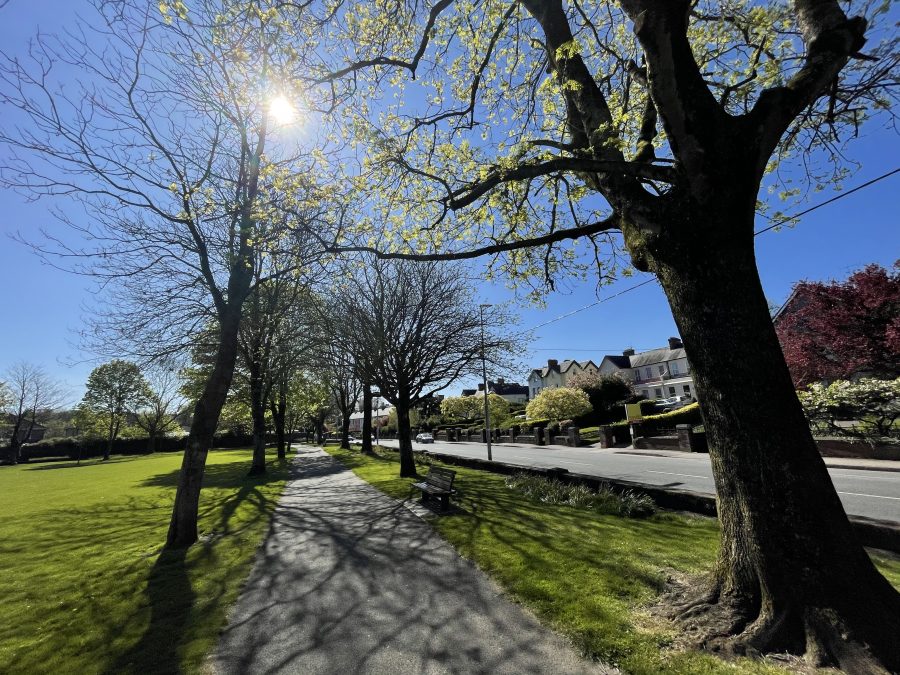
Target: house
(556, 374)
(657, 373)
(661, 373)
(380, 412)
(509, 391)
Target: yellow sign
(633, 412)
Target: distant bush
(559, 404)
(605, 500)
(85, 448)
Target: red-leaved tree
(833, 330)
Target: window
(658, 393)
(687, 390)
(648, 373)
(662, 369)
(671, 391)
(674, 367)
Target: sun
(282, 110)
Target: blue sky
(42, 307)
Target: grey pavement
(863, 489)
(351, 581)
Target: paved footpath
(351, 581)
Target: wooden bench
(438, 483)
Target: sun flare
(282, 110)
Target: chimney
(481, 386)
(675, 343)
(628, 352)
(552, 363)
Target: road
(875, 494)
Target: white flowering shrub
(867, 409)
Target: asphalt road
(875, 494)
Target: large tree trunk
(279, 414)
(345, 428)
(258, 413)
(367, 420)
(110, 437)
(404, 437)
(320, 429)
(791, 575)
(183, 525)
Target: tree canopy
(833, 330)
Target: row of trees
(640, 124)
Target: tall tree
(268, 340)
(162, 407)
(28, 396)
(652, 125)
(175, 139)
(418, 330)
(114, 391)
(835, 330)
(341, 370)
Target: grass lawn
(588, 575)
(83, 587)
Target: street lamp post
(487, 410)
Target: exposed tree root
(733, 626)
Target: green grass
(83, 588)
(588, 575)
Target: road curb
(872, 532)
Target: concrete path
(351, 581)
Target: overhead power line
(780, 221)
(787, 219)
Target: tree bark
(183, 524)
(404, 436)
(110, 437)
(258, 413)
(791, 576)
(345, 428)
(279, 414)
(367, 420)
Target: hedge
(690, 414)
(73, 448)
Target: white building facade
(556, 374)
(655, 374)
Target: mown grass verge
(83, 586)
(588, 575)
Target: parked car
(424, 438)
(673, 403)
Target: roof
(508, 388)
(617, 360)
(656, 356)
(786, 308)
(562, 367)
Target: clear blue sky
(42, 308)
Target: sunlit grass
(588, 575)
(83, 588)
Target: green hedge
(73, 448)
(690, 414)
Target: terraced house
(556, 374)
(656, 373)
